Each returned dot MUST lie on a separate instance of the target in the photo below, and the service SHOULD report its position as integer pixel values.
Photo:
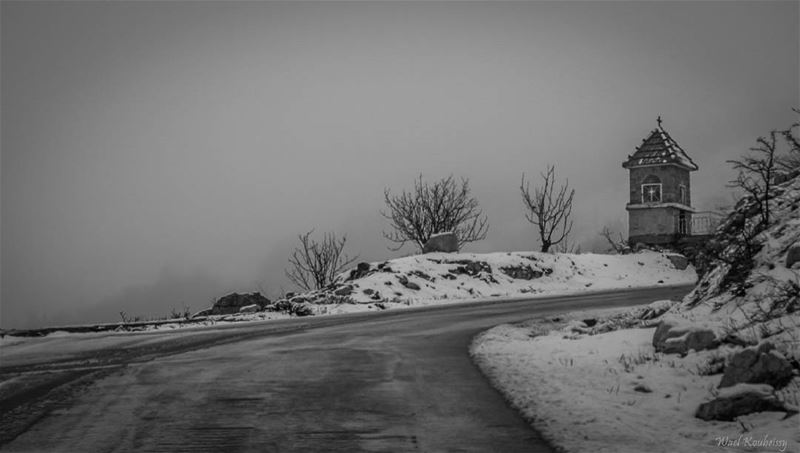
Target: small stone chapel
(660, 206)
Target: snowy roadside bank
(446, 278)
(612, 391)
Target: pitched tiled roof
(659, 149)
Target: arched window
(651, 189)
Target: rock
(410, 285)
(675, 336)
(521, 272)
(741, 399)
(757, 365)
(302, 309)
(250, 308)
(442, 242)
(679, 261)
(642, 388)
(421, 275)
(299, 299)
(656, 309)
(202, 313)
(282, 305)
(368, 291)
(361, 270)
(471, 268)
(793, 255)
(343, 291)
(232, 303)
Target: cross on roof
(659, 120)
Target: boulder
(757, 365)
(656, 309)
(232, 303)
(282, 305)
(741, 399)
(343, 291)
(521, 272)
(471, 268)
(250, 308)
(302, 309)
(676, 336)
(679, 261)
(793, 255)
(441, 242)
(410, 285)
(361, 270)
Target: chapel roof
(659, 149)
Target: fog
(161, 154)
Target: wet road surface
(383, 382)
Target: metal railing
(701, 223)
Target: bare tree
(791, 160)
(756, 173)
(618, 245)
(549, 210)
(314, 264)
(431, 208)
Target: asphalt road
(388, 382)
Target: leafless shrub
(618, 245)
(756, 173)
(127, 319)
(549, 210)
(314, 265)
(791, 160)
(430, 208)
(180, 314)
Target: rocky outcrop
(408, 284)
(679, 261)
(301, 309)
(757, 365)
(442, 242)
(793, 255)
(232, 303)
(656, 309)
(677, 336)
(471, 268)
(521, 272)
(361, 270)
(741, 399)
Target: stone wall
(671, 179)
(654, 221)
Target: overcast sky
(156, 154)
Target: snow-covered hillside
(717, 371)
(438, 278)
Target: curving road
(391, 381)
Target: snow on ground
(580, 392)
(580, 389)
(439, 278)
